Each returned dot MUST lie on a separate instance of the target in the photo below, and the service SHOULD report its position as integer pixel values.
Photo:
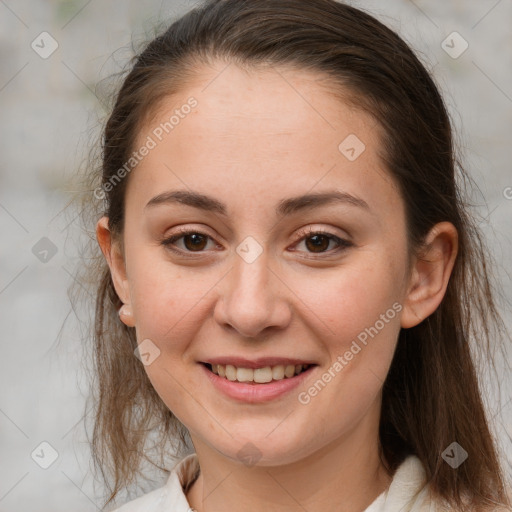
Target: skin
(254, 139)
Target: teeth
(278, 372)
(258, 375)
(289, 371)
(262, 375)
(230, 372)
(244, 374)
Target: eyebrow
(285, 207)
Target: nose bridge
(252, 299)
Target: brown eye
(192, 241)
(319, 243)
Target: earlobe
(126, 315)
(430, 274)
(115, 260)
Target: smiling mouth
(262, 375)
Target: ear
(430, 274)
(113, 254)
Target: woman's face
(255, 283)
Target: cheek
(361, 306)
(166, 297)
(353, 297)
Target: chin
(252, 449)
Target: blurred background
(54, 55)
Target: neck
(345, 474)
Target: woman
(288, 256)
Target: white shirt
(408, 480)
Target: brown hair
(428, 401)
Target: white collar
(408, 491)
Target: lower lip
(253, 393)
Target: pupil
(196, 244)
(318, 244)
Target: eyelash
(182, 232)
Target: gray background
(50, 108)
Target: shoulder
(152, 501)
(409, 491)
(171, 496)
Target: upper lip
(260, 362)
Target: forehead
(263, 103)
(260, 132)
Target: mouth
(262, 375)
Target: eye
(193, 241)
(318, 241)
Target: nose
(253, 299)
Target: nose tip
(252, 301)
(251, 319)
